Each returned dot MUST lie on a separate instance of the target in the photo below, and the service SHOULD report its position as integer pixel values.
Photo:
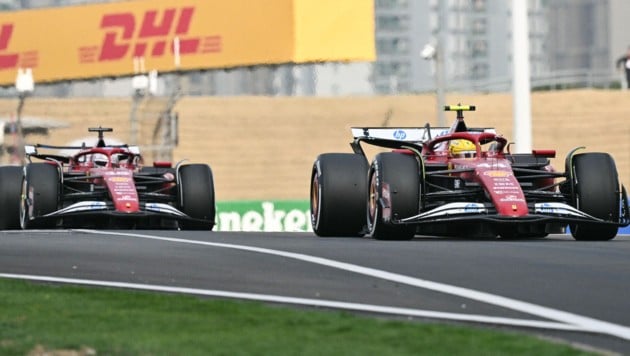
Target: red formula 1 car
(105, 186)
(462, 181)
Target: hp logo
(400, 134)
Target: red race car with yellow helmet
(465, 182)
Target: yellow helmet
(462, 149)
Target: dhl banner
(102, 40)
(333, 30)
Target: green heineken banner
(263, 215)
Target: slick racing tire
(10, 189)
(596, 190)
(196, 196)
(338, 195)
(40, 195)
(401, 174)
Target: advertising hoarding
(102, 40)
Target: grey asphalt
(586, 278)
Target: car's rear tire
(596, 192)
(402, 175)
(10, 189)
(338, 194)
(196, 196)
(40, 195)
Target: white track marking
(578, 321)
(307, 302)
(583, 322)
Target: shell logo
(497, 174)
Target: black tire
(10, 190)
(40, 195)
(196, 196)
(338, 195)
(596, 189)
(402, 173)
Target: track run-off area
(555, 286)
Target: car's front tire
(596, 192)
(196, 196)
(394, 179)
(40, 195)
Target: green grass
(113, 322)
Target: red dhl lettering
(151, 36)
(7, 60)
(11, 60)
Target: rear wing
(34, 151)
(407, 134)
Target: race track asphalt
(576, 291)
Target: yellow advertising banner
(102, 40)
(334, 30)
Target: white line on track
(306, 302)
(578, 322)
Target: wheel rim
(315, 200)
(372, 203)
(24, 206)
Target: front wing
(101, 208)
(545, 212)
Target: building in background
(571, 43)
(587, 34)
(402, 29)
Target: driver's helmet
(462, 149)
(99, 159)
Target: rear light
(545, 153)
(403, 151)
(162, 164)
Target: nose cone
(122, 190)
(503, 189)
